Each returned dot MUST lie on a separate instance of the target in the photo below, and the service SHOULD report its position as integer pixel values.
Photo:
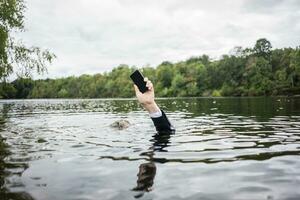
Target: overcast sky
(92, 36)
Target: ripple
(218, 143)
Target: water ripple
(46, 137)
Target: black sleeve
(162, 124)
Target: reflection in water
(146, 176)
(147, 170)
(8, 171)
(248, 148)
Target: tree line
(252, 71)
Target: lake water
(223, 148)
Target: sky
(94, 36)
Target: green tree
(14, 53)
(260, 74)
(63, 93)
(178, 83)
(263, 48)
(165, 73)
(23, 87)
(7, 91)
(247, 72)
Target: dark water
(224, 148)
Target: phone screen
(138, 80)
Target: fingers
(149, 85)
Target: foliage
(14, 55)
(247, 72)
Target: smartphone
(138, 80)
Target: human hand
(147, 98)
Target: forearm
(162, 124)
(151, 107)
(159, 118)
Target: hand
(147, 98)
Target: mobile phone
(138, 80)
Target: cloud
(271, 6)
(91, 36)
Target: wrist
(151, 107)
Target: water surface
(223, 148)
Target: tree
(23, 87)
(14, 55)
(178, 84)
(263, 48)
(294, 68)
(63, 93)
(248, 73)
(260, 74)
(7, 91)
(165, 73)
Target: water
(223, 148)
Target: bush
(216, 93)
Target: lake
(223, 148)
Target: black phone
(138, 80)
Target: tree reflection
(5, 168)
(147, 171)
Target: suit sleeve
(162, 124)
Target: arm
(159, 118)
